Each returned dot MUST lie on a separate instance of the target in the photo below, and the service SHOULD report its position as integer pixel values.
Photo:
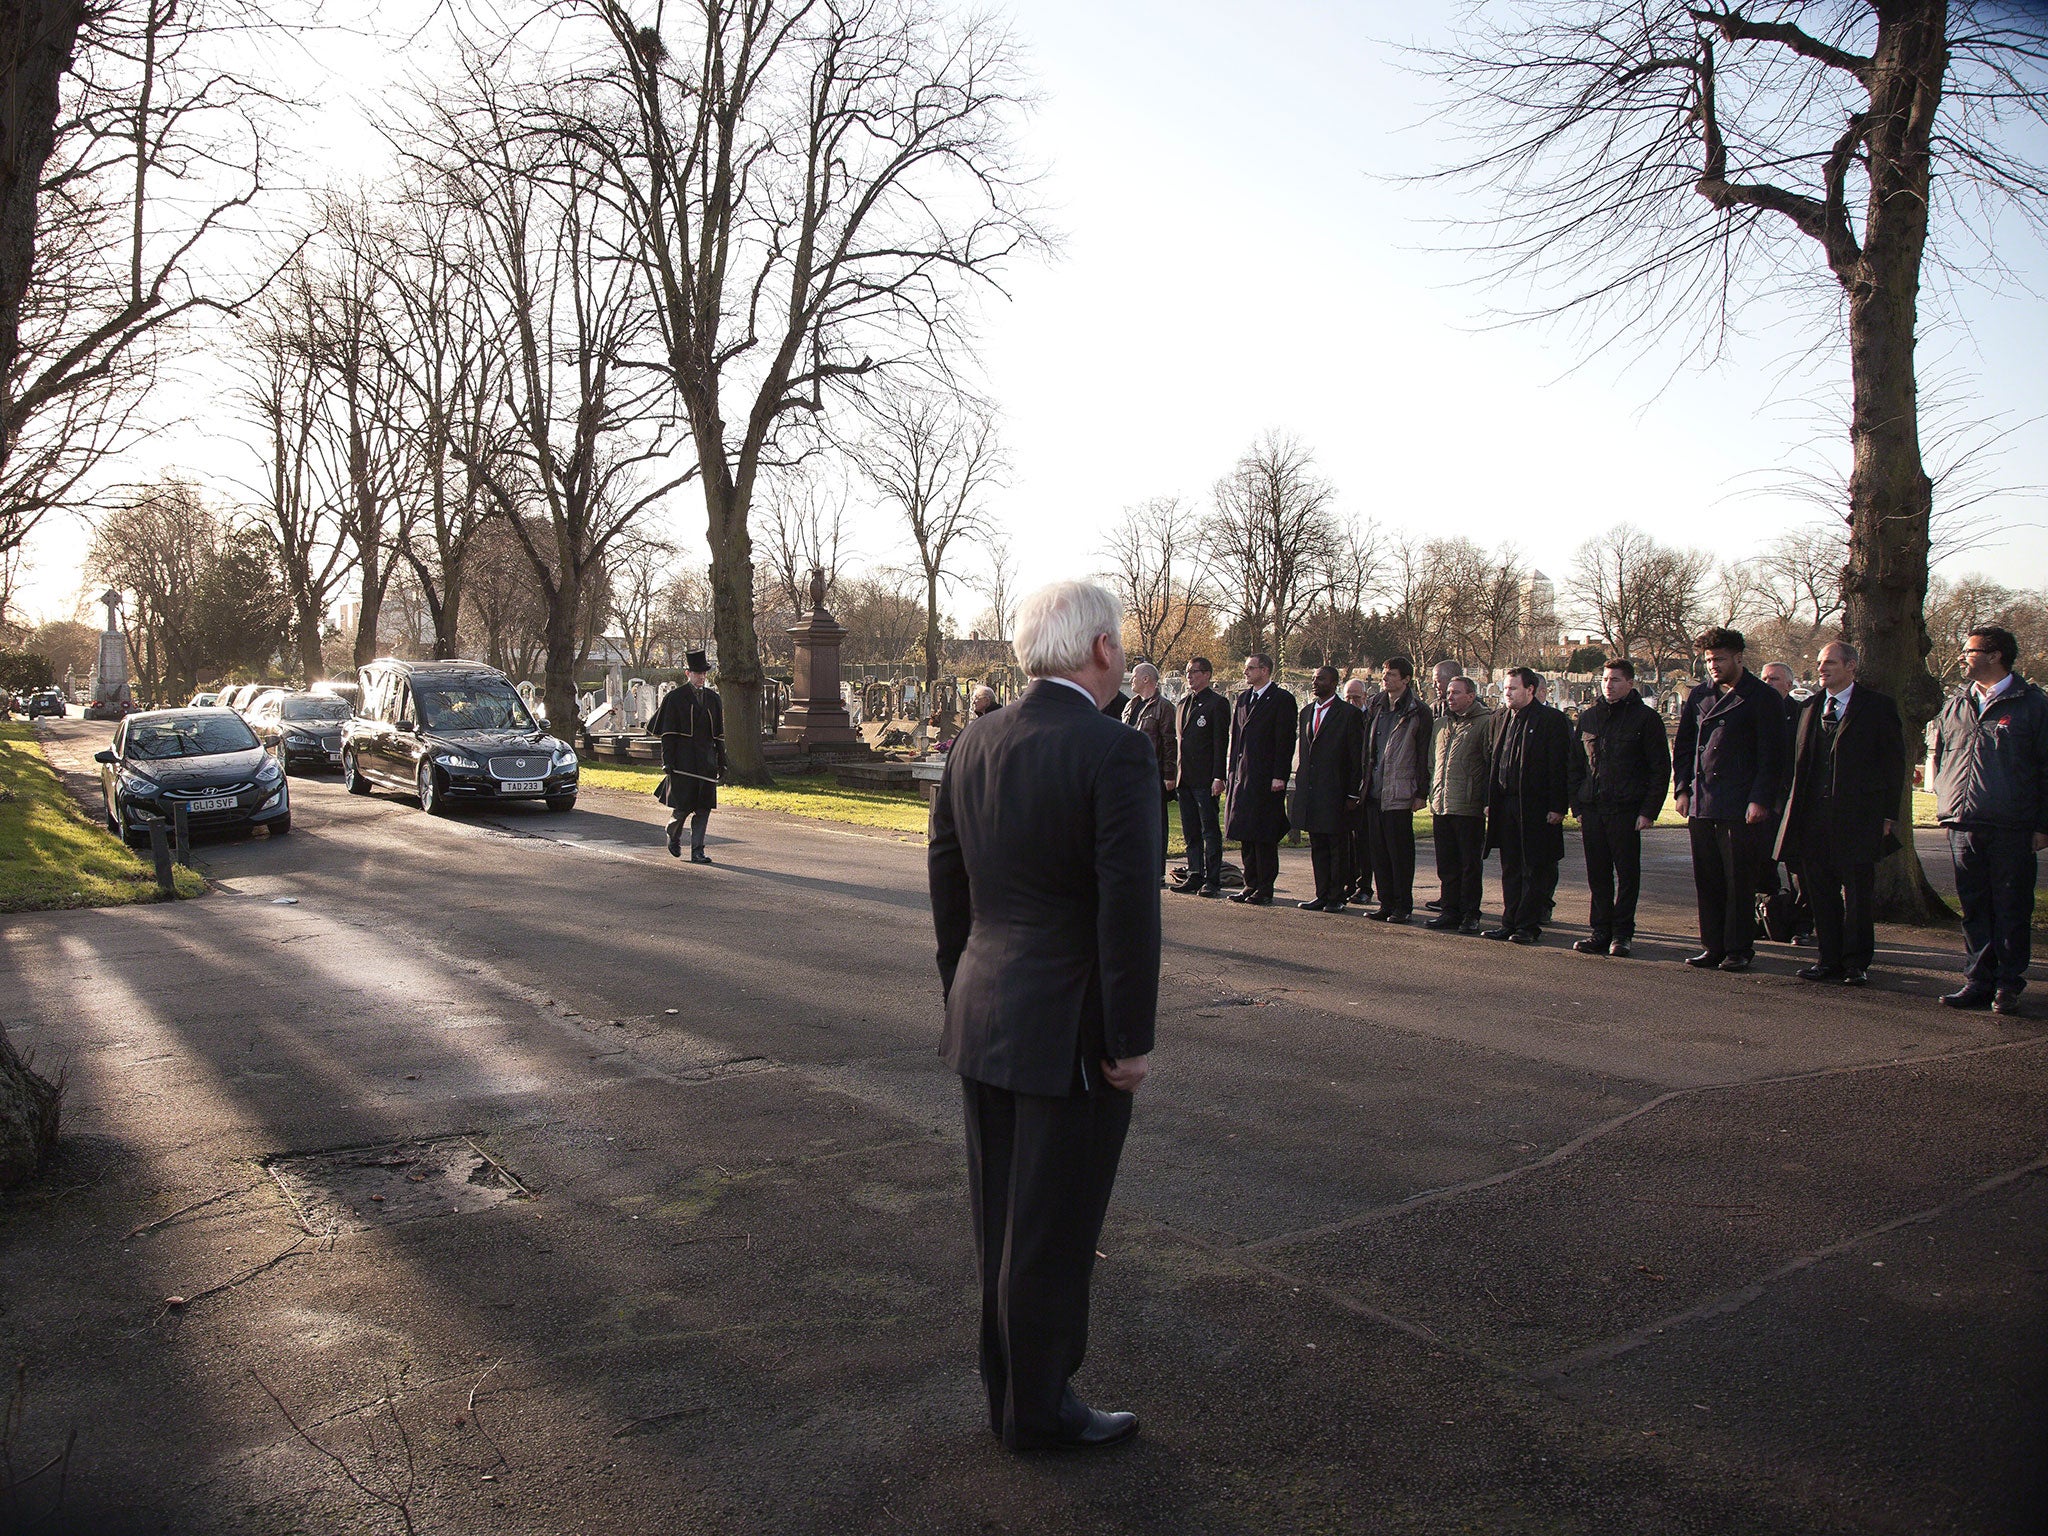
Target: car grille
(209, 793)
(528, 765)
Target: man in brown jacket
(1149, 713)
(1457, 803)
(1397, 731)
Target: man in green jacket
(1457, 804)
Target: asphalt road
(1414, 1233)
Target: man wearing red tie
(1327, 777)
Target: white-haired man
(1044, 866)
(1149, 712)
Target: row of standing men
(1761, 779)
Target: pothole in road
(357, 1188)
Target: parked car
(202, 700)
(46, 702)
(452, 732)
(336, 688)
(208, 760)
(302, 730)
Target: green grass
(50, 855)
(814, 796)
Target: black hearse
(452, 732)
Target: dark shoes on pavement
(1526, 936)
(675, 839)
(699, 856)
(1969, 997)
(1502, 934)
(1619, 949)
(1590, 946)
(1101, 1431)
(1737, 962)
(1470, 926)
(1705, 960)
(1318, 905)
(1210, 891)
(1442, 921)
(1253, 898)
(2007, 1002)
(1820, 973)
(1855, 976)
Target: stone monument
(817, 718)
(111, 697)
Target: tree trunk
(732, 624)
(1891, 499)
(927, 724)
(312, 660)
(558, 676)
(371, 597)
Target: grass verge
(50, 855)
(816, 797)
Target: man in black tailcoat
(1848, 777)
(691, 725)
(1528, 792)
(1044, 870)
(1728, 777)
(1261, 752)
(1328, 772)
(1204, 767)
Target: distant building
(1539, 609)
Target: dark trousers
(1460, 865)
(1326, 857)
(1526, 886)
(1727, 859)
(698, 821)
(1614, 872)
(1843, 898)
(1996, 873)
(1201, 828)
(1039, 1173)
(1354, 855)
(1261, 864)
(1166, 797)
(1392, 837)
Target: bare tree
(1665, 161)
(1801, 570)
(884, 615)
(1613, 588)
(804, 518)
(1275, 530)
(933, 457)
(1488, 615)
(1422, 601)
(1156, 556)
(812, 189)
(641, 570)
(999, 587)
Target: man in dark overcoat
(1728, 774)
(1044, 872)
(1848, 777)
(1328, 769)
(1528, 791)
(1261, 752)
(1355, 847)
(1150, 714)
(1203, 769)
(1621, 769)
(691, 725)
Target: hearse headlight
(454, 760)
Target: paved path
(1415, 1233)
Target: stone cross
(111, 600)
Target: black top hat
(697, 662)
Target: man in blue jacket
(1728, 768)
(1991, 793)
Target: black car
(452, 732)
(303, 729)
(47, 702)
(207, 760)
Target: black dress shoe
(1397, 919)
(1470, 926)
(1101, 1431)
(1855, 976)
(1526, 936)
(2007, 1003)
(1503, 934)
(1336, 905)
(1318, 905)
(1434, 906)
(675, 839)
(699, 856)
(1737, 962)
(1259, 899)
(1619, 949)
(1380, 914)
(1820, 973)
(1241, 897)
(1592, 946)
(1210, 891)
(1968, 997)
(1442, 920)
(1705, 960)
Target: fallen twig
(470, 1411)
(654, 1418)
(163, 1221)
(394, 1502)
(183, 1303)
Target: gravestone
(110, 695)
(817, 717)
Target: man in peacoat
(1621, 766)
(1396, 786)
(1327, 766)
(1728, 771)
(691, 725)
(1528, 791)
(1848, 776)
(1044, 873)
(1462, 751)
(1204, 766)
(1261, 750)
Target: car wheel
(561, 802)
(352, 775)
(282, 825)
(113, 821)
(431, 799)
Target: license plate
(520, 787)
(218, 803)
(334, 756)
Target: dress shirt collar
(1068, 682)
(1989, 695)
(1842, 699)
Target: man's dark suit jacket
(1845, 797)
(1541, 782)
(1328, 767)
(1204, 738)
(1261, 750)
(1730, 750)
(1044, 866)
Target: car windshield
(193, 736)
(471, 707)
(313, 708)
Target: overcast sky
(1239, 256)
